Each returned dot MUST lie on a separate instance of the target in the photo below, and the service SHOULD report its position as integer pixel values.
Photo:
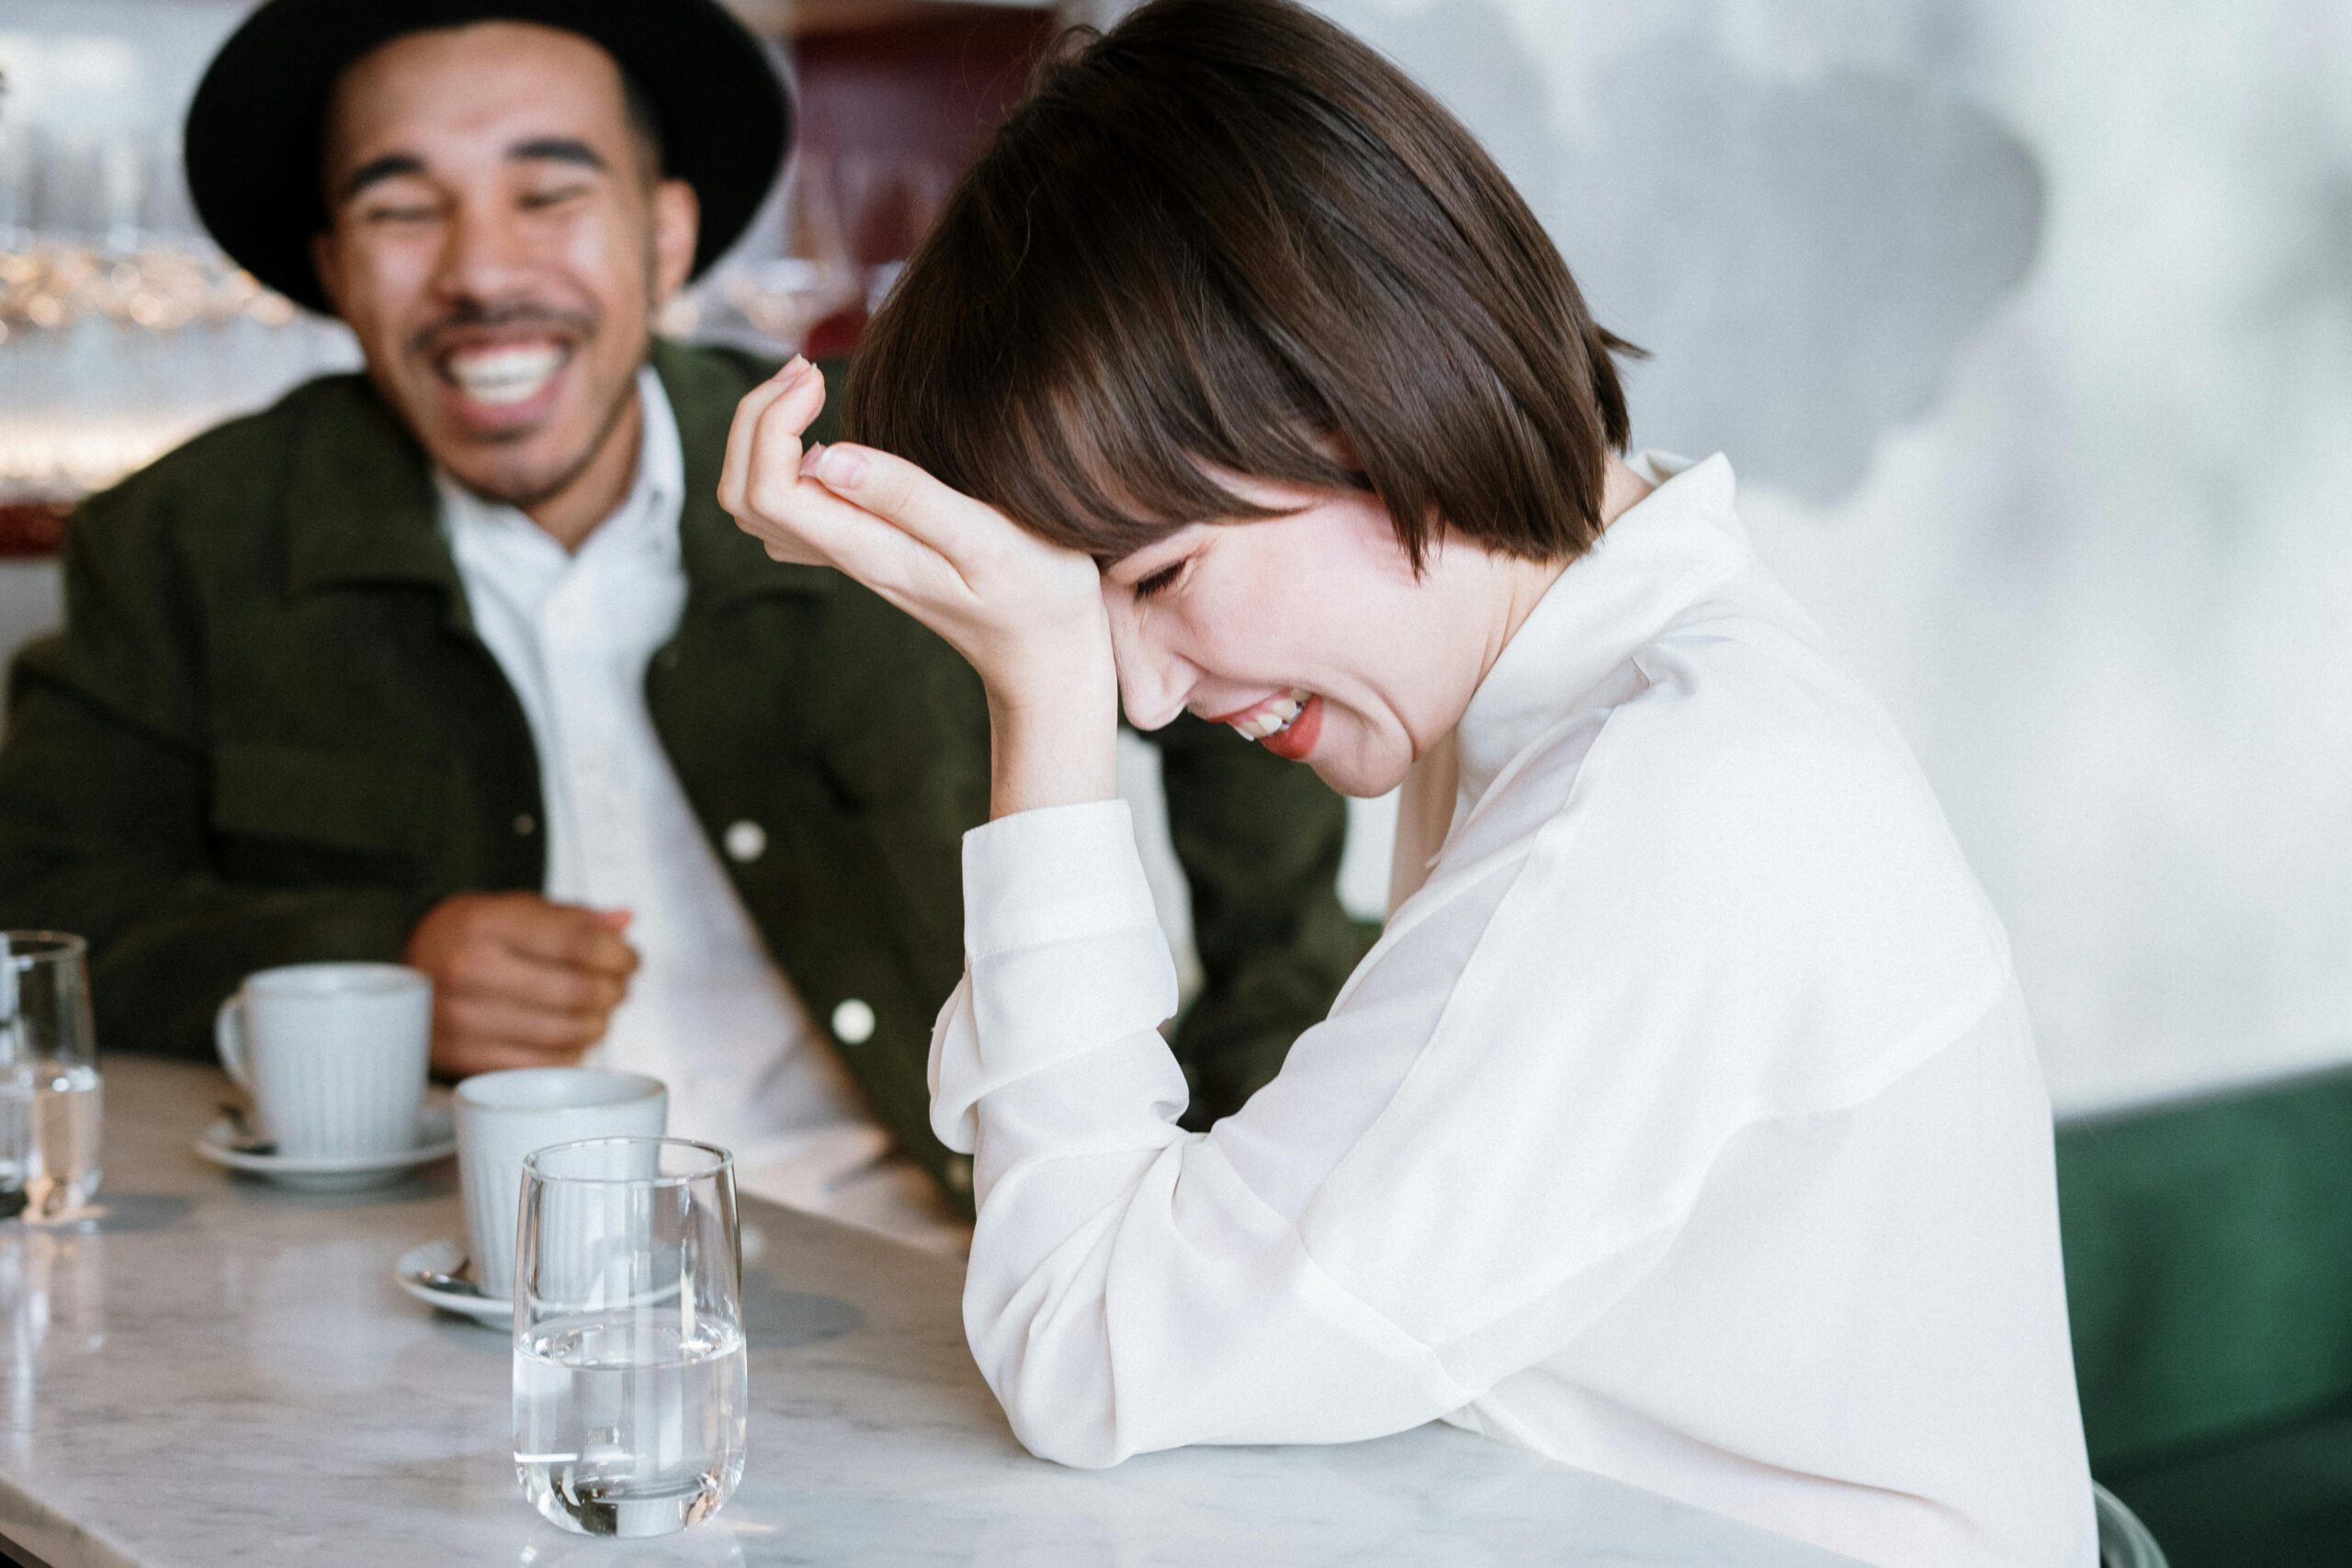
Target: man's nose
(483, 255)
(1155, 682)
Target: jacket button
(525, 825)
(959, 1174)
(745, 841)
(852, 1022)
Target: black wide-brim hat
(255, 128)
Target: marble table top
(218, 1372)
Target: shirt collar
(647, 517)
(1660, 554)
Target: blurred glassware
(50, 1097)
(785, 297)
(630, 1374)
(892, 201)
(104, 227)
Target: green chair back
(2209, 1265)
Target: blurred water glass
(784, 297)
(631, 1401)
(50, 1097)
(890, 203)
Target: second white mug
(334, 1055)
(505, 1115)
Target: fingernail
(793, 369)
(840, 468)
(809, 458)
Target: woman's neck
(1524, 582)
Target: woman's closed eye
(1159, 582)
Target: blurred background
(2029, 333)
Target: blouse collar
(1660, 554)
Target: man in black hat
(460, 664)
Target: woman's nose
(1154, 682)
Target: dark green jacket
(269, 734)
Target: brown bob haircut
(1227, 236)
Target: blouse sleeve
(1494, 1134)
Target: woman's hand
(1026, 614)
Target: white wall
(2028, 329)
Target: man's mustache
(574, 323)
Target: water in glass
(59, 1173)
(631, 1395)
(629, 1424)
(49, 1095)
(16, 1136)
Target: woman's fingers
(761, 484)
(767, 427)
(774, 457)
(760, 481)
(1005, 601)
(820, 526)
(947, 519)
(739, 433)
(799, 520)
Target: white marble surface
(218, 1372)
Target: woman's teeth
(1274, 719)
(502, 376)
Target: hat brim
(254, 129)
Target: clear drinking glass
(49, 1093)
(630, 1398)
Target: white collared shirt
(1685, 1124)
(708, 1011)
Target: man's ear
(677, 228)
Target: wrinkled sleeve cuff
(1065, 956)
(1062, 874)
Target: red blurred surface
(926, 91)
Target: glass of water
(631, 1398)
(49, 1077)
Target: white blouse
(1685, 1124)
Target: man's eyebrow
(391, 167)
(557, 149)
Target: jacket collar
(723, 563)
(361, 508)
(359, 501)
(1661, 554)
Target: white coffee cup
(505, 1115)
(334, 1056)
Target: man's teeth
(506, 375)
(1274, 719)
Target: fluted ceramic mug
(334, 1055)
(503, 1116)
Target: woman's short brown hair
(1228, 237)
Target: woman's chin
(1361, 777)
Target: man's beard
(525, 496)
(523, 493)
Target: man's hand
(518, 981)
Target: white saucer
(437, 1139)
(444, 1257)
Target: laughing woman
(1685, 1124)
